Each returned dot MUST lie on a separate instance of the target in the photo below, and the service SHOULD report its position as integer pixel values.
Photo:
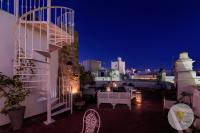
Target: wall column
(184, 75)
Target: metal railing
(39, 32)
(59, 29)
(19, 7)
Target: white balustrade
(114, 98)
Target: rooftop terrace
(146, 118)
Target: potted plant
(12, 90)
(79, 102)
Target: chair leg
(113, 106)
(130, 106)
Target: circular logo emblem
(180, 116)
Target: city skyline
(146, 34)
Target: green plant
(78, 97)
(13, 92)
(86, 77)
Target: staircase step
(57, 42)
(32, 81)
(58, 34)
(44, 53)
(58, 105)
(41, 99)
(31, 59)
(31, 87)
(32, 74)
(60, 38)
(31, 67)
(53, 47)
(57, 29)
(53, 100)
(39, 61)
(60, 111)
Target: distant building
(130, 71)
(145, 77)
(103, 72)
(147, 70)
(92, 65)
(147, 74)
(118, 65)
(108, 75)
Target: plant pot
(16, 115)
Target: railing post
(71, 104)
(8, 6)
(1, 1)
(49, 120)
(16, 8)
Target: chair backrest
(102, 94)
(91, 122)
(125, 95)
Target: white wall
(196, 99)
(170, 79)
(118, 65)
(102, 79)
(6, 42)
(197, 80)
(187, 80)
(7, 39)
(6, 51)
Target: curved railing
(56, 22)
(19, 7)
(62, 17)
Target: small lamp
(115, 84)
(138, 96)
(108, 89)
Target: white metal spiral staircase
(41, 30)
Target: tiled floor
(147, 118)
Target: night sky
(145, 33)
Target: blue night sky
(145, 33)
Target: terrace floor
(146, 118)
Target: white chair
(91, 122)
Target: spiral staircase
(41, 30)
